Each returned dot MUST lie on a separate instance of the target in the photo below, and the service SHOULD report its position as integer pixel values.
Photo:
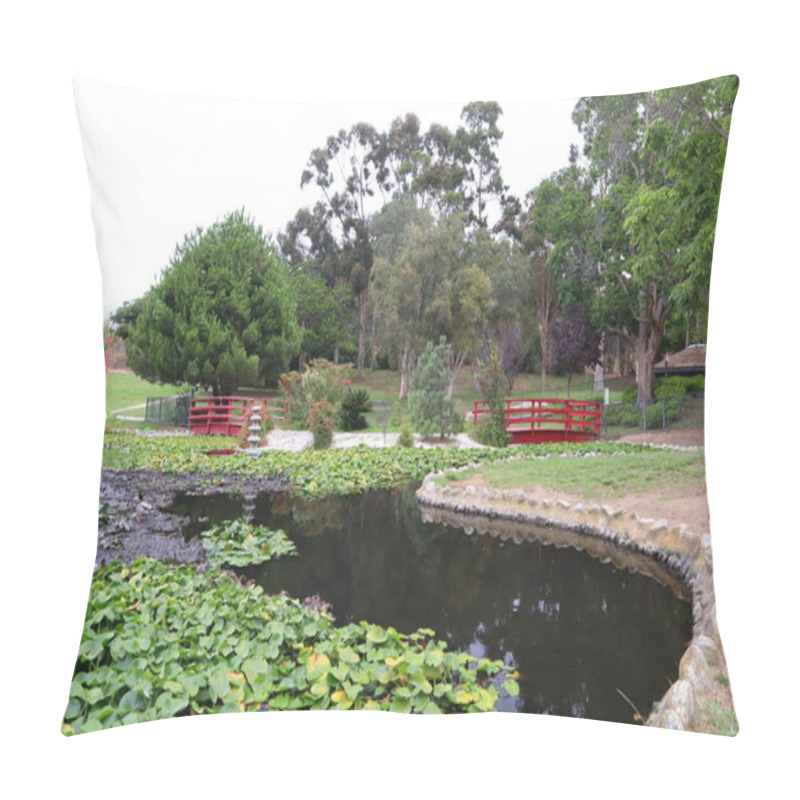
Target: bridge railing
(547, 413)
(226, 415)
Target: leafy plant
(321, 380)
(406, 438)
(239, 544)
(163, 641)
(679, 385)
(320, 473)
(321, 422)
(355, 403)
(494, 387)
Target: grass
(124, 389)
(599, 477)
(722, 720)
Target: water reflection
(576, 629)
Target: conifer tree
(432, 411)
(223, 314)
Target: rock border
(682, 554)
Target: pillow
(348, 348)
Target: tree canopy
(222, 315)
(401, 244)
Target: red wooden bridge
(226, 415)
(543, 419)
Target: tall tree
(657, 161)
(557, 232)
(322, 313)
(414, 294)
(349, 170)
(223, 313)
(475, 144)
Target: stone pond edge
(685, 554)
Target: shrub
(486, 433)
(406, 438)
(321, 380)
(678, 385)
(630, 393)
(321, 422)
(355, 404)
(494, 387)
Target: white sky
(162, 164)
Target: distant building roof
(690, 361)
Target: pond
(581, 633)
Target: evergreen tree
(223, 314)
(494, 386)
(431, 409)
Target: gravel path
(302, 440)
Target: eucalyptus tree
(348, 171)
(656, 160)
(475, 144)
(425, 289)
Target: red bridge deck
(225, 415)
(540, 419)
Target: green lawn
(124, 389)
(600, 477)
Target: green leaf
(317, 664)
(218, 684)
(348, 655)
(376, 635)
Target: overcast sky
(162, 164)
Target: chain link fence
(670, 413)
(172, 411)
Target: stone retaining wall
(669, 553)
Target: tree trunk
(362, 333)
(651, 321)
(599, 368)
(455, 368)
(543, 347)
(405, 372)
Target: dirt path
(686, 503)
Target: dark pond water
(579, 631)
